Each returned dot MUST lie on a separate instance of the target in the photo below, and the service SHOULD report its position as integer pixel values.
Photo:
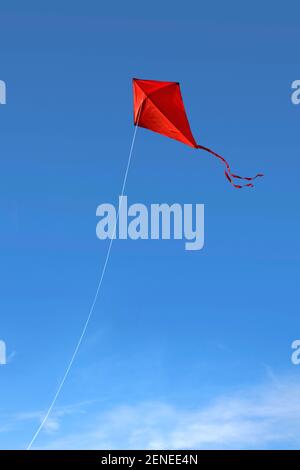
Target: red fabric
(158, 106)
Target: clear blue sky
(185, 349)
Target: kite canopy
(162, 110)
(158, 106)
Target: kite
(159, 106)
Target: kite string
(94, 299)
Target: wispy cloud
(263, 417)
(13, 421)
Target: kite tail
(229, 175)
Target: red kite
(158, 106)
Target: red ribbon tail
(230, 176)
(247, 177)
(239, 186)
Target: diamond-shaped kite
(158, 106)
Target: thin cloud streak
(259, 418)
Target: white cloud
(263, 417)
(53, 422)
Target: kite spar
(160, 108)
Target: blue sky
(185, 349)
